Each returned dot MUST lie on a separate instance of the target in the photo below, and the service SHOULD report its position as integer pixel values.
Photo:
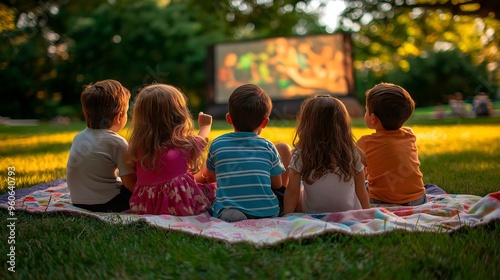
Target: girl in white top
(326, 159)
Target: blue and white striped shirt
(244, 163)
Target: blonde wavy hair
(324, 139)
(161, 121)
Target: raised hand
(204, 119)
(205, 123)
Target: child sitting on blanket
(392, 166)
(166, 153)
(326, 159)
(248, 168)
(98, 177)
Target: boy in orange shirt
(392, 166)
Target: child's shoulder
(241, 139)
(408, 133)
(222, 137)
(236, 137)
(407, 129)
(99, 137)
(367, 137)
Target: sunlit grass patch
(432, 140)
(462, 158)
(23, 140)
(37, 168)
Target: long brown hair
(324, 139)
(161, 120)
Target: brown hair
(248, 106)
(102, 101)
(325, 140)
(391, 103)
(161, 120)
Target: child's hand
(205, 123)
(204, 119)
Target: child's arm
(205, 175)
(276, 182)
(129, 181)
(205, 123)
(359, 182)
(292, 193)
(210, 177)
(362, 159)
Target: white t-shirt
(96, 159)
(330, 193)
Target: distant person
(248, 169)
(392, 166)
(99, 178)
(167, 154)
(326, 159)
(482, 105)
(457, 105)
(438, 112)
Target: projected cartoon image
(286, 68)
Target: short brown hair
(391, 103)
(248, 106)
(102, 101)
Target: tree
(380, 8)
(63, 45)
(249, 19)
(32, 47)
(388, 33)
(432, 79)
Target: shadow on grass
(6, 131)
(35, 150)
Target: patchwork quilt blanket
(441, 214)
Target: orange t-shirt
(392, 166)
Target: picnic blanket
(441, 213)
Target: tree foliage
(64, 45)
(49, 49)
(380, 8)
(433, 78)
(388, 34)
(164, 44)
(250, 19)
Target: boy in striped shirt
(248, 169)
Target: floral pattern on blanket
(441, 213)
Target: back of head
(161, 119)
(391, 103)
(102, 101)
(249, 105)
(321, 112)
(162, 110)
(325, 138)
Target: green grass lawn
(459, 155)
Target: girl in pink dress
(167, 153)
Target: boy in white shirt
(98, 177)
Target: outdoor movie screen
(286, 68)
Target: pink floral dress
(172, 190)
